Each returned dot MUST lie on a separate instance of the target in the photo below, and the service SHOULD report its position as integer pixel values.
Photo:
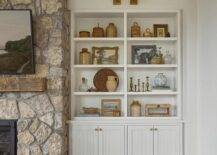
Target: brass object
(147, 85)
(135, 30)
(135, 109)
(131, 84)
(138, 85)
(116, 2)
(143, 87)
(98, 32)
(135, 86)
(148, 33)
(84, 34)
(158, 110)
(84, 56)
(111, 30)
(133, 2)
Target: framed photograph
(16, 42)
(111, 107)
(105, 55)
(116, 2)
(160, 30)
(158, 110)
(142, 54)
(133, 2)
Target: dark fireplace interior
(8, 137)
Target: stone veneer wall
(42, 127)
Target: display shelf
(91, 39)
(98, 66)
(151, 39)
(170, 92)
(98, 93)
(152, 66)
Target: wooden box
(158, 110)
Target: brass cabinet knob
(100, 129)
(97, 129)
(155, 129)
(152, 129)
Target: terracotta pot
(112, 83)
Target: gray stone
(55, 56)
(16, 2)
(35, 150)
(8, 109)
(54, 145)
(57, 72)
(22, 124)
(42, 133)
(25, 138)
(25, 110)
(50, 6)
(59, 120)
(48, 119)
(40, 104)
(58, 102)
(22, 150)
(55, 83)
(34, 126)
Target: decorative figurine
(138, 85)
(84, 87)
(143, 87)
(147, 85)
(131, 84)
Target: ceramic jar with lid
(98, 32)
(168, 59)
(160, 80)
(111, 30)
(135, 30)
(135, 109)
(84, 57)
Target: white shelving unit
(86, 20)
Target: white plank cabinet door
(140, 140)
(85, 140)
(111, 140)
(167, 140)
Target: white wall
(207, 23)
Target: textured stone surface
(25, 138)
(35, 150)
(42, 115)
(40, 104)
(8, 109)
(48, 119)
(53, 145)
(26, 111)
(42, 133)
(34, 126)
(15, 2)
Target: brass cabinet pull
(152, 129)
(100, 129)
(97, 129)
(155, 129)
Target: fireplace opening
(8, 137)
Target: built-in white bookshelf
(86, 20)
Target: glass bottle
(84, 56)
(135, 109)
(168, 58)
(83, 87)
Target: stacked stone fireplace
(41, 117)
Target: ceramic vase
(112, 83)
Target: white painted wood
(111, 140)
(140, 140)
(85, 140)
(167, 140)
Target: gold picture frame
(116, 2)
(160, 30)
(111, 107)
(133, 2)
(158, 110)
(105, 55)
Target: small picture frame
(133, 2)
(143, 54)
(105, 55)
(111, 107)
(158, 110)
(116, 2)
(161, 30)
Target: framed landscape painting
(16, 42)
